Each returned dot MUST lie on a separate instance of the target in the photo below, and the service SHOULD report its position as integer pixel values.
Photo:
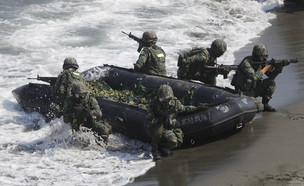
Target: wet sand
(270, 149)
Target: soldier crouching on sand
(166, 135)
(249, 77)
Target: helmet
(79, 88)
(70, 62)
(218, 47)
(164, 92)
(259, 50)
(149, 37)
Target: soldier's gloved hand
(202, 106)
(93, 116)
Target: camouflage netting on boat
(136, 95)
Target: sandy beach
(269, 150)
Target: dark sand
(270, 149)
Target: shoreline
(268, 151)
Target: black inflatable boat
(228, 110)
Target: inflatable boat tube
(227, 111)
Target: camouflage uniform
(62, 88)
(249, 77)
(192, 63)
(82, 109)
(165, 134)
(152, 58)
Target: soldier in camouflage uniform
(192, 63)
(249, 77)
(62, 88)
(165, 132)
(152, 58)
(82, 109)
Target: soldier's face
(263, 58)
(166, 101)
(80, 96)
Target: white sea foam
(37, 36)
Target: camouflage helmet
(79, 88)
(149, 37)
(164, 92)
(70, 62)
(218, 47)
(259, 50)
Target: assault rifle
(282, 63)
(222, 69)
(79, 107)
(139, 41)
(50, 80)
(279, 64)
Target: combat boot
(267, 107)
(165, 151)
(155, 153)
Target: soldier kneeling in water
(82, 109)
(166, 135)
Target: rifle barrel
(124, 33)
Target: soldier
(165, 132)
(82, 109)
(192, 63)
(152, 58)
(62, 88)
(249, 77)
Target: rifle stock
(138, 40)
(222, 69)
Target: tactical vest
(240, 80)
(190, 63)
(156, 65)
(63, 87)
(183, 58)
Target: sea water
(37, 35)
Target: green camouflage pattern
(259, 50)
(86, 112)
(136, 94)
(164, 129)
(149, 37)
(152, 60)
(249, 79)
(63, 86)
(79, 87)
(61, 90)
(70, 62)
(218, 47)
(164, 92)
(192, 65)
(172, 139)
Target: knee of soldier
(103, 127)
(169, 140)
(271, 86)
(260, 106)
